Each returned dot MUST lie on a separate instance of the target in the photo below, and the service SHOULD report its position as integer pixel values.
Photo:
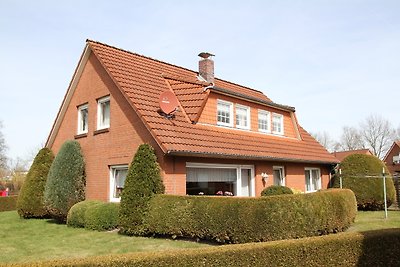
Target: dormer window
(83, 112)
(224, 113)
(242, 117)
(103, 113)
(277, 123)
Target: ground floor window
(313, 179)
(218, 179)
(279, 176)
(117, 181)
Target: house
(342, 154)
(392, 158)
(209, 134)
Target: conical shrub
(65, 184)
(30, 203)
(142, 182)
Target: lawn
(374, 220)
(35, 240)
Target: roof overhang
(245, 157)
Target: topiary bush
(363, 175)
(102, 217)
(242, 220)
(276, 190)
(65, 184)
(76, 215)
(30, 202)
(142, 182)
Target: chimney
(206, 67)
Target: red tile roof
(342, 154)
(142, 79)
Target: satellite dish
(168, 102)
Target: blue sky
(335, 61)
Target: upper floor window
(83, 112)
(242, 117)
(277, 123)
(263, 121)
(224, 113)
(313, 179)
(103, 113)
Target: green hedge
(242, 220)
(94, 215)
(375, 248)
(8, 203)
(274, 190)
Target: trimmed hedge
(94, 215)
(242, 220)
(8, 203)
(357, 170)
(30, 202)
(66, 181)
(375, 248)
(102, 217)
(76, 215)
(274, 190)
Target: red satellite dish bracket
(168, 103)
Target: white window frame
(100, 119)
(280, 116)
(268, 114)
(248, 121)
(80, 129)
(230, 105)
(282, 169)
(112, 180)
(238, 168)
(319, 181)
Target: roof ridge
(160, 61)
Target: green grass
(34, 240)
(374, 220)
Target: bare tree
(378, 134)
(3, 150)
(350, 139)
(325, 140)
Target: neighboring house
(392, 158)
(342, 154)
(222, 136)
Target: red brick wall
(209, 114)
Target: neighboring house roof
(142, 79)
(342, 154)
(395, 143)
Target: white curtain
(210, 175)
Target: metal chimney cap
(206, 55)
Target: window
(279, 177)
(117, 176)
(277, 123)
(219, 179)
(83, 119)
(103, 113)
(224, 113)
(263, 121)
(242, 117)
(313, 179)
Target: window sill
(82, 135)
(106, 130)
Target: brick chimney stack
(206, 67)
